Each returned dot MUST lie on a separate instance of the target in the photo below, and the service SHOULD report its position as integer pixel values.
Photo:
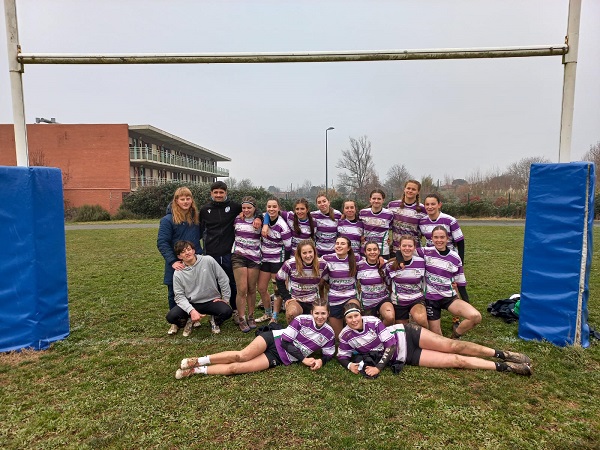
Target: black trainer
(519, 368)
(516, 357)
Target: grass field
(111, 383)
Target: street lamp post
(326, 174)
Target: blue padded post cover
(557, 254)
(33, 269)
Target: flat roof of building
(156, 134)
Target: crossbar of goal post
(17, 60)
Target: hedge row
(151, 203)
(482, 208)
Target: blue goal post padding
(33, 269)
(557, 254)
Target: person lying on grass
(306, 334)
(376, 347)
(201, 288)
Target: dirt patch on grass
(15, 359)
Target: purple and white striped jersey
(426, 225)
(373, 288)
(440, 272)
(247, 239)
(325, 231)
(303, 286)
(408, 283)
(406, 221)
(353, 231)
(342, 286)
(304, 228)
(277, 242)
(306, 336)
(399, 334)
(377, 227)
(374, 337)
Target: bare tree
(519, 171)
(304, 190)
(245, 184)
(475, 177)
(397, 176)
(427, 185)
(371, 183)
(358, 161)
(449, 179)
(593, 155)
(231, 183)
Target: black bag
(505, 309)
(272, 326)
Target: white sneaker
(188, 363)
(187, 330)
(184, 373)
(173, 330)
(213, 326)
(264, 318)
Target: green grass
(111, 384)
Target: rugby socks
(501, 366)
(204, 361)
(498, 354)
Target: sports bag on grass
(506, 309)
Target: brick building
(101, 163)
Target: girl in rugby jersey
(275, 248)
(407, 212)
(406, 274)
(373, 286)
(303, 272)
(305, 335)
(366, 346)
(340, 274)
(445, 285)
(349, 226)
(377, 222)
(300, 222)
(436, 217)
(326, 221)
(245, 261)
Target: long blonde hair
(191, 216)
(300, 263)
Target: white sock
(204, 360)
(201, 370)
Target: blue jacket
(168, 234)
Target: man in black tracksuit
(217, 217)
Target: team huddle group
(357, 277)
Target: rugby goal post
(38, 182)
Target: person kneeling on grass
(201, 288)
(376, 346)
(304, 335)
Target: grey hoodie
(198, 283)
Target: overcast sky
(439, 118)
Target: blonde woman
(180, 224)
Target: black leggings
(221, 310)
(225, 263)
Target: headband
(351, 310)
(249, 202)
